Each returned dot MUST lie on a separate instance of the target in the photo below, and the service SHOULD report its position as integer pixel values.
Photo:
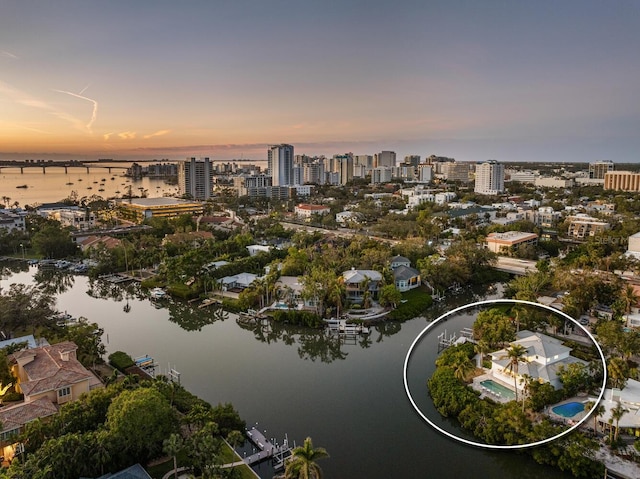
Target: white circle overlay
(497, 446)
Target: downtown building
(598, 169)
(195, 178)
(622, 181)
(489, 178)
(280, 164)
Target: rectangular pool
(498, 389)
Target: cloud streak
(6, 54)
(94, 114)
(22, 98)
(157, 133)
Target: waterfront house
(357, 281)
(47, 376)
(237, 282)
(544, 357)
(51, 372)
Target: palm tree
(618, 370)
(302, 464)
(630, 298)
(462, 367)
(481, 348)
(617, 413)
(172, 447)
(598, 410)
(515, 354)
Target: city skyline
(544, 81)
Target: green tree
(140, 419)
(172, 447)
(389, 295)
(515, 354)
(302, 464)
(53, 241)
(494, 326)
(617, 413)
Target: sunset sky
(507, 80)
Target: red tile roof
(48, 371)
(13, 417)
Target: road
(514, 265)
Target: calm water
(348, 397)
(54, 184)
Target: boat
(103, 180)
(101, 189)
(79, 179)
(113, 178)
(158, 293)
(70, 183)
(89, 188)
(22, 186)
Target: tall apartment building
(195, 178)
(365, 160)
(384, 158)
(313, 173)
(622, 181)
(345, 168)
(455, 171)
(280, 164)
(598, 169)
(413, 160)
(381, 175)
(489, 178)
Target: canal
(349, 398)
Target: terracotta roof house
(51, 372)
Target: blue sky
(512, 81)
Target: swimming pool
(569, 409)
(498, 389)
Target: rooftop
(150, 202)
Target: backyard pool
(498, 389)
(569, 409)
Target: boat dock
(147, 364)
(266, 450)
(342, 328)
(116, 278)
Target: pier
(342, 328)
(266, 450)
(444, 340)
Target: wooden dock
(266, 450)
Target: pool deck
(484, 393)
(568, 420)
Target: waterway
(55, 185)
(349, 398)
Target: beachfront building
(544, 357)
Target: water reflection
(8, 268)
(52, 281)
(191, 319)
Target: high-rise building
(345, 168)
(413, 160)
(489, 178)
(384, 158)
(280, 164)
(454, 171)
(598, 169)
(195, 178)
